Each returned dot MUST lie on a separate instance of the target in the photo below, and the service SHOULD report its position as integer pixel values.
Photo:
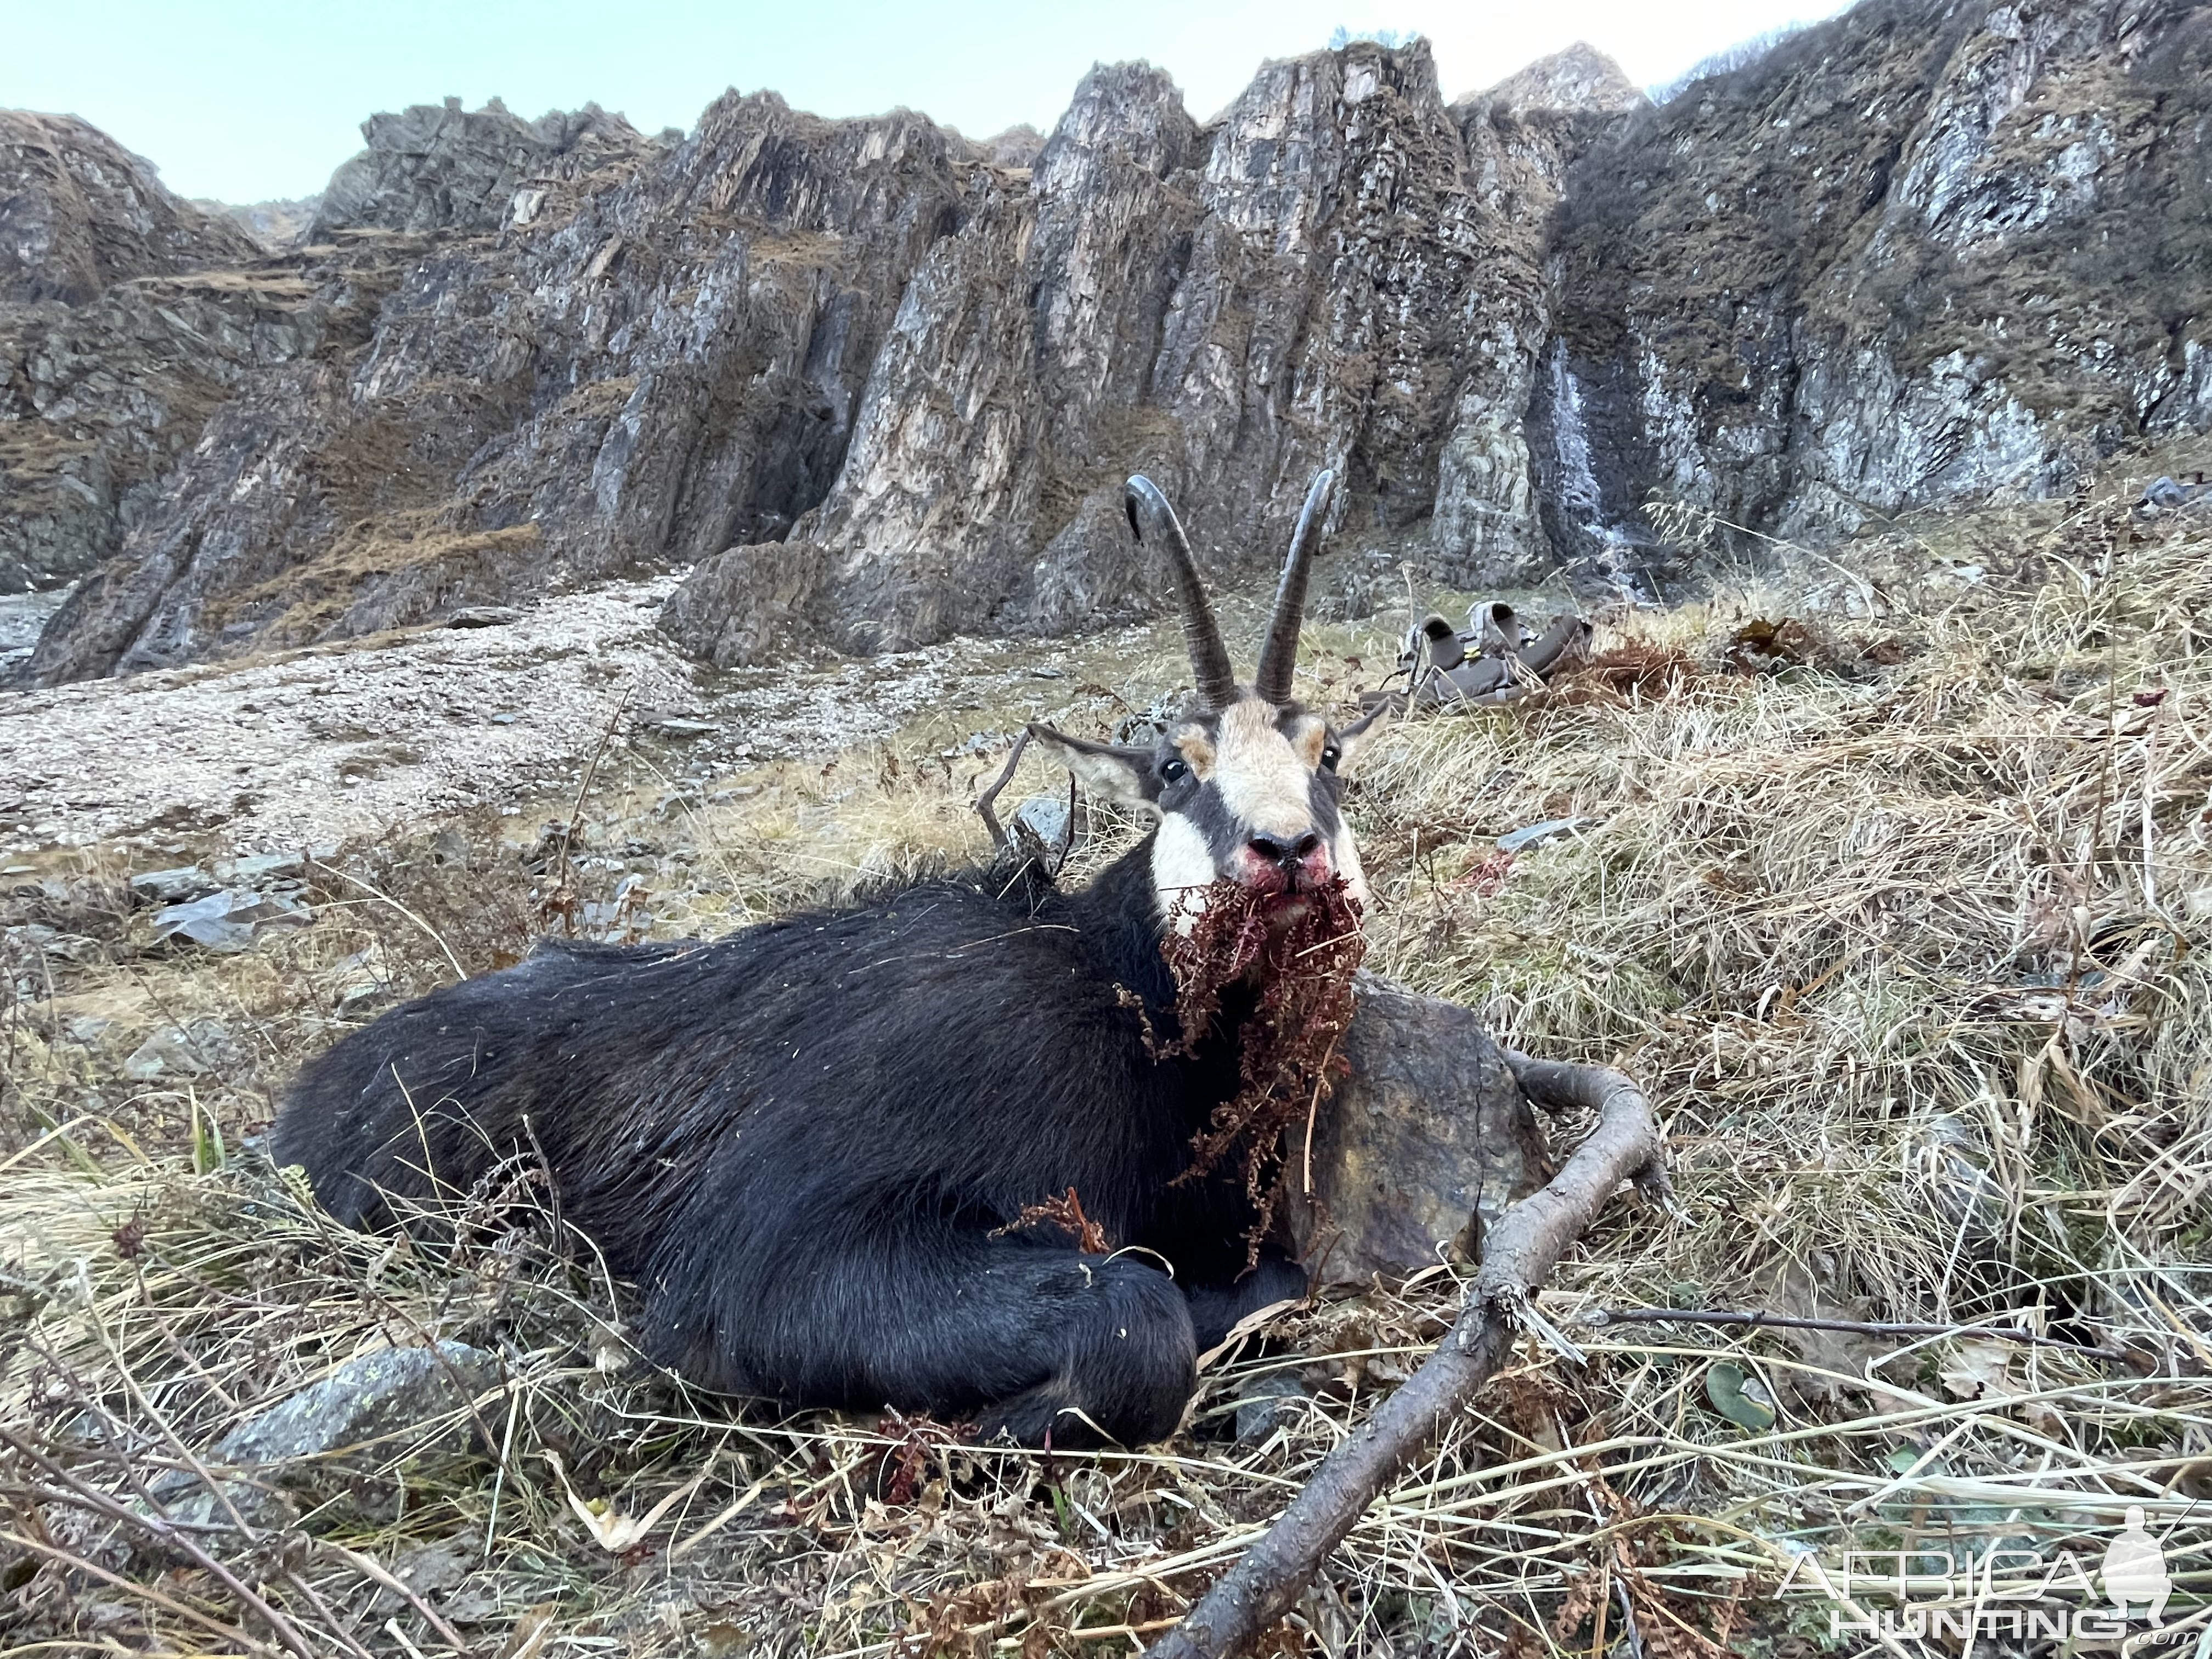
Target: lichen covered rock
(1423, 1146)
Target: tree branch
(1518, 1255)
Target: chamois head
(1245, 784)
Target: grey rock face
(878, 384)
(1911, 256)
(647, 370)
(1309, 284)
(123, 322)
(432, 168)
(99, 400)
(1421, 1147)
(79, 213)
(1017, 147)
(1521, 137)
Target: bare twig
(436, 938)
(1756, 1318)
(1519, 1255)
(157, 1527)
(989, 798)
(560, 901)
(144, 1592)
(341, 1627)
(370, 1568)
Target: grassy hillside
(1897, 913)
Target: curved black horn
(1154, 521)
(1279, 655)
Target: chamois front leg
(1216, 1308)
(1128, 1358)
(1027, 1339)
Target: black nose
(1287, 853)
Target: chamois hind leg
(1027, 1339)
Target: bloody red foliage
(1296, 953)
(1065, 1213)
(905, 1465)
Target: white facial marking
(1182, 869)
(1344, 854)
(1258, 774)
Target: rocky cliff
(127, 317)
(875, 385)
(1310, 283)
(1916, 255)
(446, 168)
(79, 213)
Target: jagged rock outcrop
(126, 317)
(1310, 283)
(642, 370)
(877, 384)
(99, 401)
(1914, 255)
(1578, 80)
(433, 168)
(79, 213)
(1022, 335)
(1017, 147)
(1521, 137)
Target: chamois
(811, 1144)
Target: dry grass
(1906, 953)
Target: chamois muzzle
(1286, 865)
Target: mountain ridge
(875, 384)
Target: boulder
(1425, 1143)
(377, 1398)
(368, 1415)
(1273, 1399)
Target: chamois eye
(1173, 771)
(1330, 755)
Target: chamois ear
(1104, 769)
(1354, 737)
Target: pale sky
(248, 100)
